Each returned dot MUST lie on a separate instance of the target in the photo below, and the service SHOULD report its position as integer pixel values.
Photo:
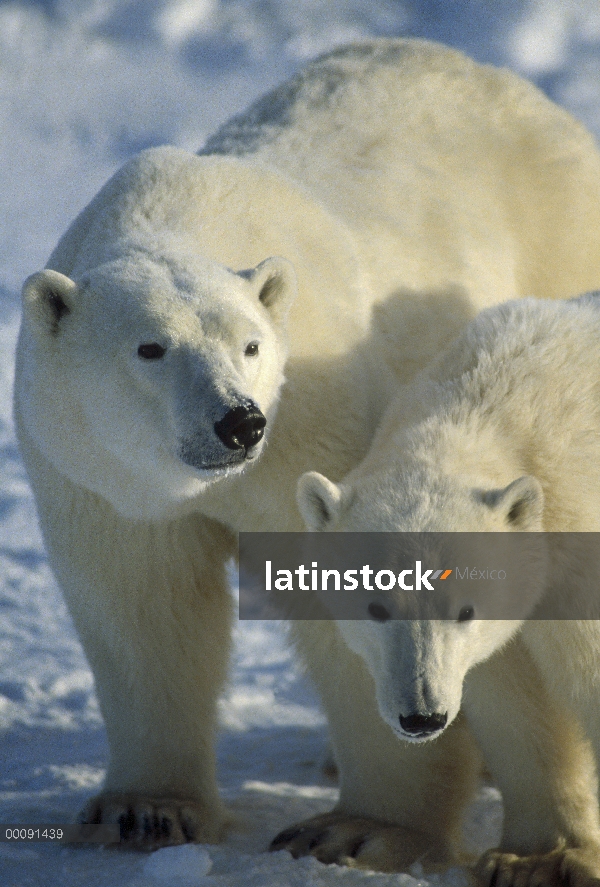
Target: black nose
(423, 724)
(241, 428)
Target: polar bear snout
(241, 428)
(419, 725)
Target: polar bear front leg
(536, 754)
(153, 611)
(158, 644)
(399, 803)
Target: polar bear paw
(574, 867)
(149, 823)
(357, 842)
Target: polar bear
(337, 236)
(500, 434)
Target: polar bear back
(424, 152)
(396, 174)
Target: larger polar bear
(399, 188)
(502, 435)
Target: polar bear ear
(319, 500)
(48, 297)
(274, 283)
(520, 504)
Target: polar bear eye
(152, 351)
(251, 349)
(378, 612)
(466, 613)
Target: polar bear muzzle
(241, 428)
(234, 440)
(421, 726)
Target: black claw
(318, 839)
(356, 847)
(188, 832)
(126, 824)
(286, 836)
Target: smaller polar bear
(502, 433)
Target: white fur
(502, 434)
(408, 187)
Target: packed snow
(83, 85)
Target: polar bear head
(151, 376)
(419, 646)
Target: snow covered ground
(83, 85)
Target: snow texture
(83, 85)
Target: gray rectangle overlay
(416, 576)
(59, 834)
